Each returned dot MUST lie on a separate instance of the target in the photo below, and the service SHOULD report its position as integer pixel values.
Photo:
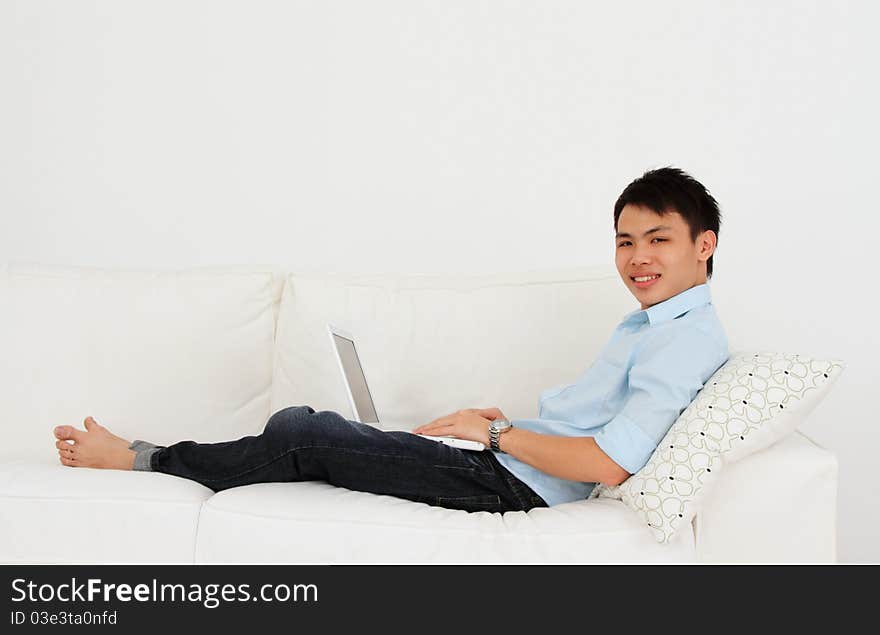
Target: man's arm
(571, 458)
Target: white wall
(464, 136)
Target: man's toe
(68, 432)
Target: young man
(599, 429)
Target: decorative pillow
(752, 401)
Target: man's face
(668, 251)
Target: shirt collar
(671, 308)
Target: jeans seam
(516, 486)
(509, 480)
(488, 500)
(473, 470)
(296, 449)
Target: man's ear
(707, 242)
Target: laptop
(359, 396)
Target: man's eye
(627, 242)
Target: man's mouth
(643, 282)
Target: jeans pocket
(480, 503)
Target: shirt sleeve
(668, 372)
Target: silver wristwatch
(496, 428)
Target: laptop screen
(357, 382)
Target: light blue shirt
(655, 363)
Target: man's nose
(640, 257)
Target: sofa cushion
(161, 356)
(751, 402)
(434, 344)
(314, 522)
(50, 513)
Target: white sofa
(209, 354)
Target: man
(599, 429)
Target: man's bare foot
(95, 446)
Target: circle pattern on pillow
(749, 403)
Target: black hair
(669, 189)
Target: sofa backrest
(433, 344)
(157, 356)
(209, 353)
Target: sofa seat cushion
(50, 513)
(314, 522)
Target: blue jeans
(299, 444)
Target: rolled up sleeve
(667, 373)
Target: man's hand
(471, 424)
(490, 413)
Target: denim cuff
(144, 452)
(137, 445)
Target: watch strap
(495, 433)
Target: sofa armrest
(777, 505)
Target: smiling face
(648, 244)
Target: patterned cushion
(752, 401)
